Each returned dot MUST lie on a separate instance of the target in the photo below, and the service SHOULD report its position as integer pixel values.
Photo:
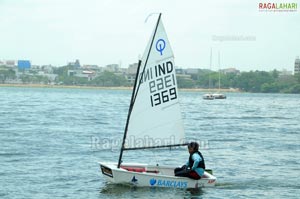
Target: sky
(102, 32)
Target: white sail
(155, 119)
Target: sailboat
(209, 96)
(153, 121)
(219, 95)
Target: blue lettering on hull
(168, 183)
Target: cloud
(112, 31)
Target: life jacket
(201, 163)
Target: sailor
(195, 166)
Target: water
(51, 140)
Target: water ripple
(52, 139)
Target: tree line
(253, 81)
(106, 79)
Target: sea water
(51, 140)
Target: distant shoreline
(110, 88)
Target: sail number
(163, 97)
(162, 90)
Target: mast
(209, 74)
(129, 113)
(134, 93)
(219, 70)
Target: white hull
(208, 97)
(144, 175)
(219, 96)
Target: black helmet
(193, 145)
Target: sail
(155, 118)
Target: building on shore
(131, 73)
(230, 70)
(76, 64)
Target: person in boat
(195, 166)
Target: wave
(3, 154)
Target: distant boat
(219, 95)
(154, 114)
(208, 96)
